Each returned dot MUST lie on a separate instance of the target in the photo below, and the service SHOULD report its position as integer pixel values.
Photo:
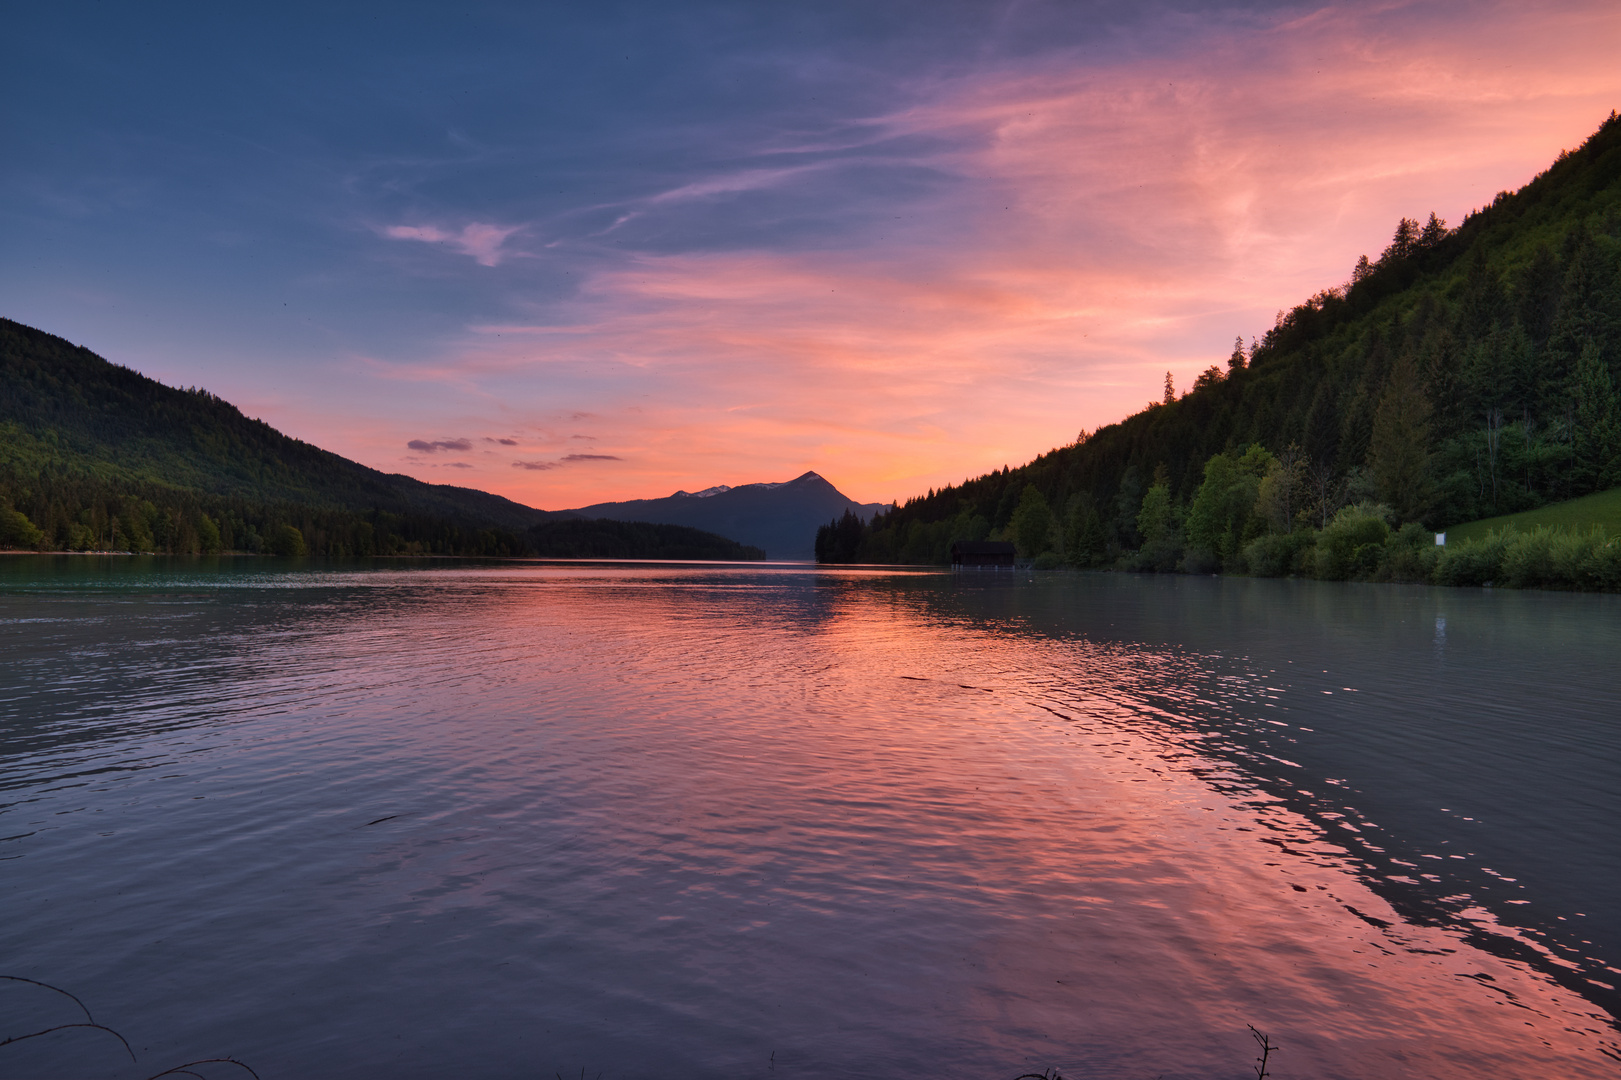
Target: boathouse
(982, 555)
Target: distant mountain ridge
(782, 518)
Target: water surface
(677, 820)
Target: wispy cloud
(567, 459)
(483, 242)
(423, 446)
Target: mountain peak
(764, 485)
(780, 517)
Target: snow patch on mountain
(721, 489)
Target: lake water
(488, 820)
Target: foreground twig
(90, 1022)
(64, 1027)
(1266, 1052)
(57, 989)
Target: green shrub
(1529, 562)
(1475, 562)
(1277, 554)
(1585, 560)
(1603, 569)
(1553, 558)
(16, 531)
(1410, 554)
(1353, 543)
(1049, 560)
(286, 540)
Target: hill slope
(781, 518)
(1463, 373)
(65, 407)
(94, 456)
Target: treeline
(1463, 373)
(63, 512)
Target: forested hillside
(1463, 373)
(97, 457)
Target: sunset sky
(570, 253)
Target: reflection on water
(679, 820)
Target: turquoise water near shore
(671, 819)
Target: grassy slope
(1581, 514)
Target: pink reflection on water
(1095, 897)
(674, 820)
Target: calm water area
(671, 820)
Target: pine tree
(1403, 243)
(1399, 453)
(1597, 424)
(1435, 230)
(1237, 361)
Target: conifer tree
(1399, 452)
(1597, 424)
(1237, 361)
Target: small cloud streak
(423, 446)
(567, 459)
(480, 241)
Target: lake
(674, 820)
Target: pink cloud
(482, 242)
(424, 446)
